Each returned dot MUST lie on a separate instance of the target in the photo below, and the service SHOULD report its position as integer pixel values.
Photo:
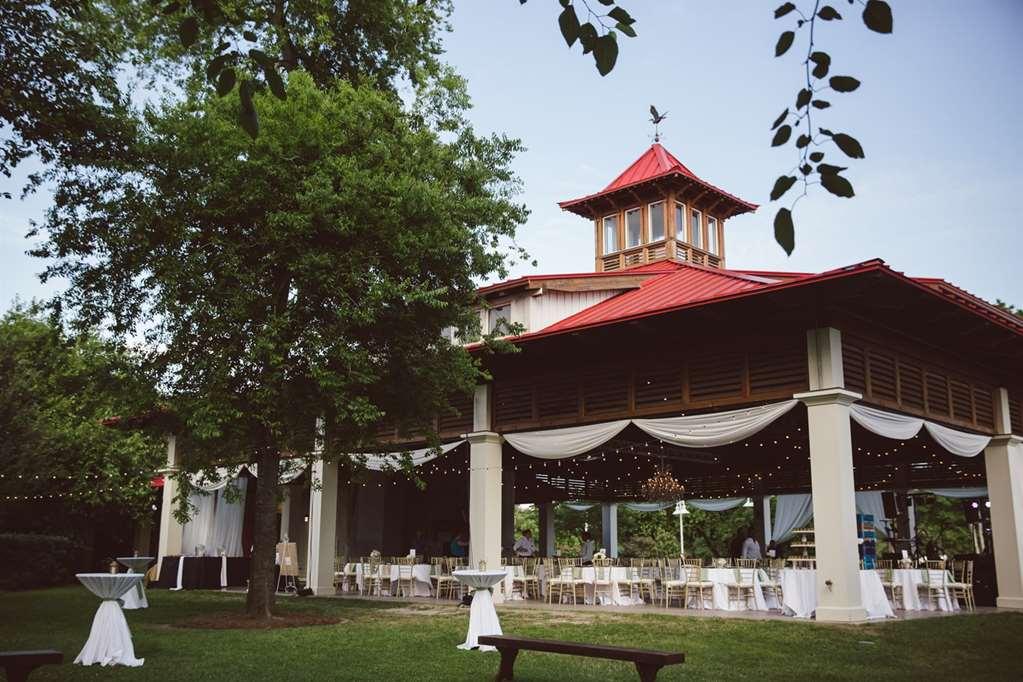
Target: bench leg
(506, 672)
(647, 671)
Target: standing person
(586, 553)
(459, 546)
(525, 547)
(750, 547)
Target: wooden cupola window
(658, 209)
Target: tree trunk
(262, 587)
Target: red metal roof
(688, 284)
(656, 162)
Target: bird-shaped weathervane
(656, 118)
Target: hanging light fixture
(662, 486)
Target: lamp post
(680, 511)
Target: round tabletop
(109, 585)
(136, 563)
(480, 579)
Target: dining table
(136, 598)
(482, 614)
(109, 641)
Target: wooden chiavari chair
(962, 587)
(601, 579)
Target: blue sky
(938, 115)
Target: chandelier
(662, 486)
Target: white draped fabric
(227, 521)
(199, 529)
(109, 640)
(871, 502)
(568, 442)
(904, 427)
(389, 461)
(580, 506)
(648, 506)
(959, 492)
(482, 615)
(791, 512)
(715, 429)
(717, 505)
(289, 469)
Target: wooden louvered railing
(658, 251)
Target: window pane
(633, 228)
(680, 222)
(496, 315)
(712, 235)
(610, 234)
(656, 221)
(696, 230)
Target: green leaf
(607, 3)
(803, 98)
(621, 16)
(837, 185)
(849, 145)
(226, 81)
(274, 80)
(843, 83)
(188, 31)
(249, 36)
(822, 62)
(820, 104)
(217, 64)
(782, 136)
(828, 169)
(626, 29)
(784, 43)
(816, 156)
(605, 53)
(588, 37)
(802, 141)
(781, 185)
(828, 13)
(877, 15)
(781, 119)
(247, 114)
(784, 230)
(783, 10)
(172, 7)
(806, 169)
(569, 24)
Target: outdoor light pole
(680, 511)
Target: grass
(393, 641)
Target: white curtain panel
(383, 461)
(579, 506)
(904, 427)
(959, 492)
(791, 512)
(871, 502)
(227, 522)
(568, 442)
(648, 506)
(715, 429)
(716, 505)
(199, 529)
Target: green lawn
(392, 641)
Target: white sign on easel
(287, 558)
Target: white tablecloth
(612, 573)
(722, 578)
(913, 600)
(136, 599)
(109, 640)
(799, 587)
(421, 587)
(482, 615)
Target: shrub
(33, 561)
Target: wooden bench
(648, 663)
(18, 664)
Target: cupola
(656, 210)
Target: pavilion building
(739, 383)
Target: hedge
(33, 561)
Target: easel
(287, 559)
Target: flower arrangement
(600, 554)
(375, 554)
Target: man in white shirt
(751, 548)
(588, 547)
(525, 547)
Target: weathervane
(656, 118)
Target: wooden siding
(553, 306)
(892, 376)
(647, 384)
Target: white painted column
(1003, 459)
(485, 464)
(547, 536)
(171, 532)
(831, 478)
(609, 527)
(322, 528)
(285, 513)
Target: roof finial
(656, 118)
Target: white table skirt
(799, 586)
(911, 579)
(109, 640)
(422, 586)
(482, 615)
(136, 598)
(723, 578)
